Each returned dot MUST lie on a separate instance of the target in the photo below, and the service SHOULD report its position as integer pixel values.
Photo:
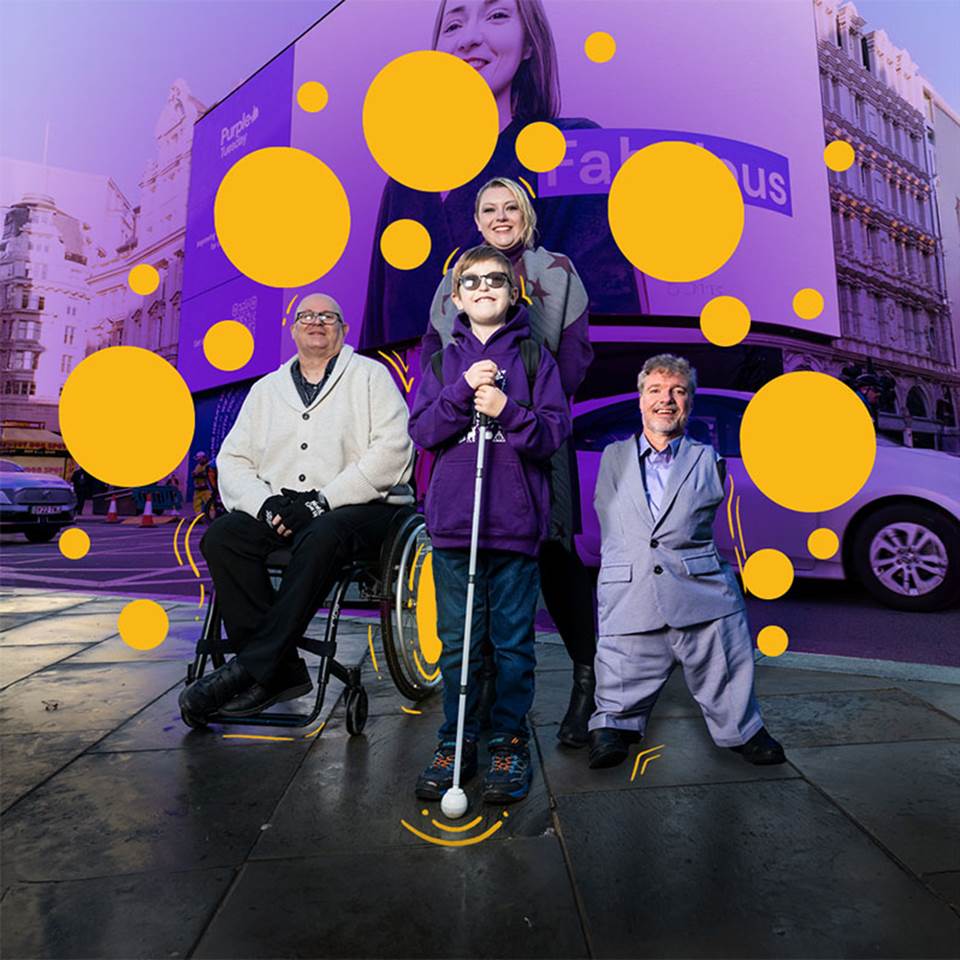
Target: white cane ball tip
(454, 803)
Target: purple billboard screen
(744, 86)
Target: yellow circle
(823, 543)
(808, 303)
(228, 345)
(312, 96)
(839, 155)
(405, 244)
(725, 321)
(772, 641)
(768, 574)
(143, 279)
(541, 146)
(411, 110)
(282, 217)
(807, 441)
(600, 47)
(431, 645)
(113, 435)
(74, 543)
(676, 211)
(143, 624)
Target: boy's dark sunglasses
(495, 280)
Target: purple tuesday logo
(595, 155)
(234, 137)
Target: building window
(24, 301)
(68, 334)
(40, 302)
(66, 362)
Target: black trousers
(569, 592)
(264, 627)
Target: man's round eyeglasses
(310, 318)
(472, 281)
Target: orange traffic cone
(112, 515)
(147, 519)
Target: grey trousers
(717, 662)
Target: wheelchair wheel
(356, 710)
(408, 615)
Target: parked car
(899, 536)
(34, 504)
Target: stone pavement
(126, 835)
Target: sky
(99, 70)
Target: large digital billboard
(739, 79)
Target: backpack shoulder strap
(530, 353)
(436, 362)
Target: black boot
(573, 728)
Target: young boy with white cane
(491, 369)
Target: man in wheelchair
(311, 465)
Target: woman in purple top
(557, 312)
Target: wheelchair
(398, 584)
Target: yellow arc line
(469, 826)
(200, 604)
(413, 713)
(407, 384)
(440, 842)
(315, 732)
(373, 656)
(296, 297)
(446, 265)
(656, 756)
(400, 360)
(636, 763)
(523, 292)
(736, 550)
(527, 185)
(251, 736)
(186, 544)
(426, 676)
(176, 533)
(743, 545)
(733, 535)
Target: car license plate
(47, 508)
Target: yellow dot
(410, 110)
(541, 146)
(768, 574)
(143, 624)
(405, 244)
(282, 217)
(676, 211)
(600, 47)
(823, 543)
(74, 543)
(143, 279)
(121, 442)
(725, 321)
(838, 155)
(790, 455)
(312, 96)
(772, 641)
(228, 345)
(426, 813)
(808, 303)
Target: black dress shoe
(208, 694)
(609, 747)
(761, 749)
(573, 727)
(294, 681)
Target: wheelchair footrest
(322, 648)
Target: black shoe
(293, 681)
(509, 776)
(609, 747)
(437, 779)
(488, 691)
(573, 727)
(761, 749)
(208, 694)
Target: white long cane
(454, 802)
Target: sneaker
(437, 779)
(510, 773)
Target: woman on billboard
(511, 45)
(556, 303)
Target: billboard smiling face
(744, 87)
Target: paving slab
(944, 697)
(352, 792)
(149, 915)
(83, 696)
(19, 662)
(765, 869)
(166, 810)
(489, 900)
(946, 886)
(906, 794)
(68, 627)
(180, 644)
(39, 602)
(855, 716)
(771, 681)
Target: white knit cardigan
(351, 444)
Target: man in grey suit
(665, 596)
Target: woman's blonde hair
(523, 202)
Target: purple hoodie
(515, 503)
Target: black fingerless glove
(273, 507)
(303, 507)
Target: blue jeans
(504, 607)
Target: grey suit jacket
(664, 571)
